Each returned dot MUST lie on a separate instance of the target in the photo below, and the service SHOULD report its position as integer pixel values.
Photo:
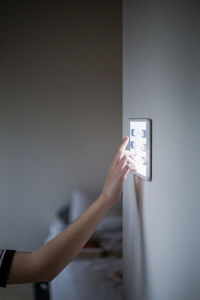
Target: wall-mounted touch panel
(140, 146)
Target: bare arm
(49, 260)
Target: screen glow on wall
(140, 146)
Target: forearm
(46, 262)
(53, 256)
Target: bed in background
(96, 273)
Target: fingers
(132, 168)
(124, 144)
(122, 152)
(129, 156)
(127, 152)
(125, 171)
(123, 162)
(128, 162)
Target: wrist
(106, 200)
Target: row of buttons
(143, 133)
(143, 146)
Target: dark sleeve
(6, 257)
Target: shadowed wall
(161, 43)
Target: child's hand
(121, 164)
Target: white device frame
(148, 149)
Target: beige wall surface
(60, 109)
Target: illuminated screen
(140, 146)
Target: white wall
(60, 109)
(161, 81)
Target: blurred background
(60, 109)
(60, 112)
